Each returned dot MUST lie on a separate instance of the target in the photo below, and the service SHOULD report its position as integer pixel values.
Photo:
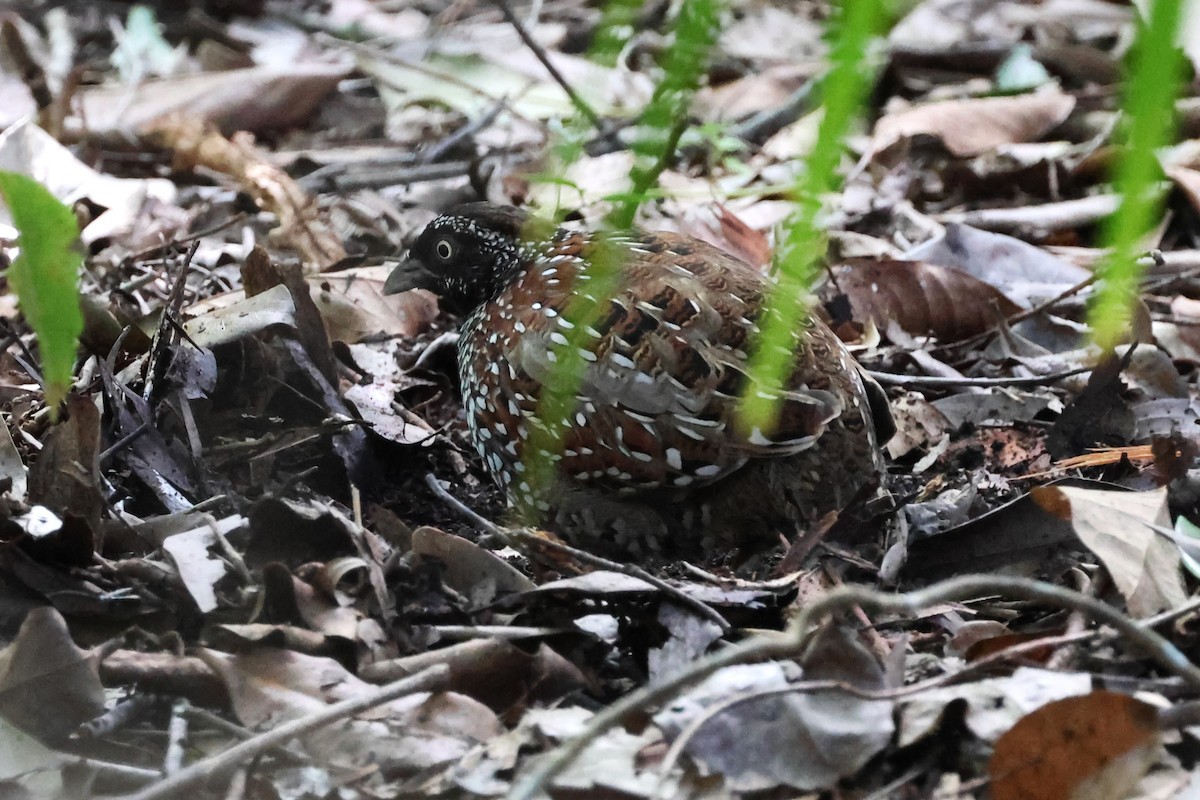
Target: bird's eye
(443, 249)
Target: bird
(654, 458)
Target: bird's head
(467, 255)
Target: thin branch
(470, 129)
(766, 123)
(542, 56)
(465, 511)
(1024, 315)
(160, 249)
(1040, 219)
(123, 442)
(842, 599)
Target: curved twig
(841, 599)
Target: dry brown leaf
(65, 477)
(352, 305)
(414, 733)
(976, 126)
(260, 274)
(502, 675)
(1096, 746)
(197, 568)
(921, 298)
(469, 568)
(48, 686)
(1185, 307)
(918, 424)
(254, 99)
(756, 92)
(146, 205)
(301, 226)
(376, 403)
(995, 644)
(726, 230)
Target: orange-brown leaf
(1096, 746)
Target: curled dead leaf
(1123, 530)
(48, 686)
(253, 99)
(302, 225)
(1188, 181)
(921, 298)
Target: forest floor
(258, 557)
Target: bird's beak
(408, 274)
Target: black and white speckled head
(466, 256)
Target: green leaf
(45, 276)
(666, 118)
(1149, 117)
(663, 122)
(617, 27)
(845, 89)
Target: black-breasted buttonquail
(653, 457)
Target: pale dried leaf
(253, 99)
(48, 686)
(1116, 526)
(972, 127)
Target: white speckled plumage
(654, 423)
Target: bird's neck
(488, 283)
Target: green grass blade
(45, 277)
(844, 92)
(1156, 69)
(663, 122)
(615, 31)
(557, 405)
(666, 116)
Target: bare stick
(470, 129)
(1026, 314)
(1040, 219)
(227, 761)
(468, 513)
(893, 379)
(177, 733)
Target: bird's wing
(665, 365)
